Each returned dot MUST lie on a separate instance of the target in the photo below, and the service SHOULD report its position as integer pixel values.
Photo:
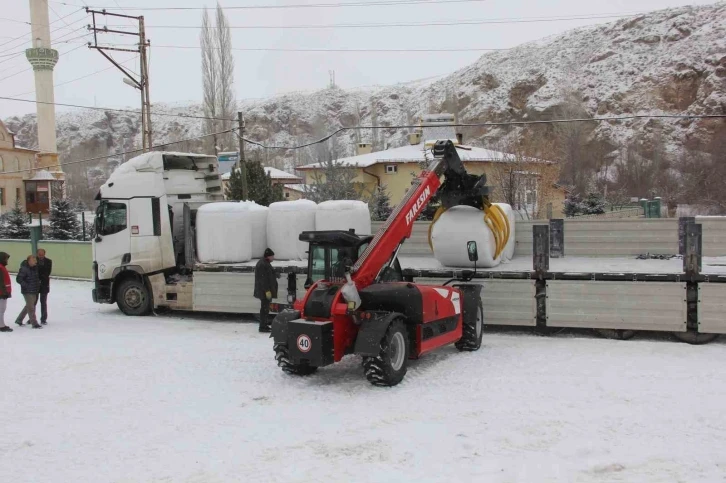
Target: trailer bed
(430, 267)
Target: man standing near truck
(45, 268)
(265, 287)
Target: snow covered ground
(99, 397)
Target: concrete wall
(600, 238)
(71, 259)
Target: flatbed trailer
(623, 294)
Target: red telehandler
(357, 301)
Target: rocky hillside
(671, 61)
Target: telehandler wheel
(282, 356)
(695, 338)
(389, 367)
(133, 298)
(617, 334)
(473, 332)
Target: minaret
(43, 59)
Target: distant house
(292, 186)
(395, 168)
(19, 178)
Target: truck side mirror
(472, 250)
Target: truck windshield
(110, 218)
(179, 162)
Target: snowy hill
(671, 61)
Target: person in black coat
(29, 281)
(45, 268)
(265, 287)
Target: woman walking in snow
(6, 290)
(29, 281)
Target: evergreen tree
(64, 223)
(380, 204)
(593, 204)
(16, 224)
(573, 205)
(259, 185)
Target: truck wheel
(389, 367)
(133, 298)
(617, 334)
(695, 338)
(283, 361)
(473, 332)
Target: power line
(30, 68)
(109, 109)
(124, 153)
(493, 124)
(334, 133)
(51, 23)
(284, 49)
(78, 78)
(311, 5)
(442, 23)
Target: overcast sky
(175, 75)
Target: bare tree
(227, 102)
(210, 78)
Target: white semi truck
(143, 251)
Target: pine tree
(594, 204)
(380, 204)
(16, 226)
(259, 184)
(573, 205)
(64, 223)
(333, 182)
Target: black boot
(5, 329)
(37, 326)
(266, 328)
(19, 322)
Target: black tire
(695, 338)
(390, 366)
(282, 356)
(473, 333)
(133, 298)
(616, 334)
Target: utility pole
(242, 160)
(142, 84)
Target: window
(2, 196)
(156, 215)
(113, 218)
(317, 259)
(287, 195)
(391, 169)
(2, 165)
(17, 194)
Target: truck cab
(139, 224)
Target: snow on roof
(273, 173)
(302, 188)
(42, 175)
(415, 154)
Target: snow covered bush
(16, 224)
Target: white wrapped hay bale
(508, 252)
(258, 227)
(343, 215)
(285, 221)
(454, 228)
(223, 233)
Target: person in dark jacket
(6, 290)
(29, 281)
(265, 287)
(45, 268)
